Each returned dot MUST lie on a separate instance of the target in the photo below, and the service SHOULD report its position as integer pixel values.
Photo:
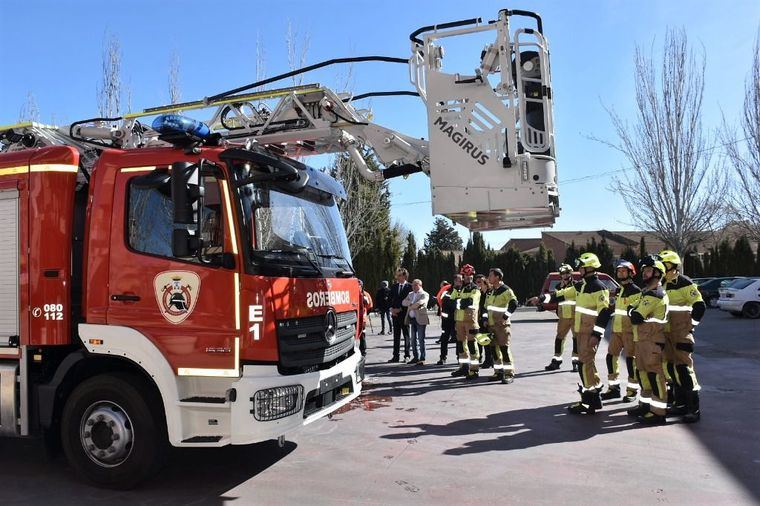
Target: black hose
(326, 63)
(382, 94)
(452, 24)
(520, 12)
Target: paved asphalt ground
(418, 436)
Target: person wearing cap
(685, 310)
(592, 313)
(566, 322)
(648, 317)
(500, 304)
(467, 301)
(622, 336)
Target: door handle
(124, 297)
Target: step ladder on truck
(165, 280)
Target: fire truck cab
(200, 297)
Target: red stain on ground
(366, 401)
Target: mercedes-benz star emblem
(331, 326)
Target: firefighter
(648, 316)
(484, 350)
(467, 299)
(685, 311)
(622, 335)
(500, 304)
(448, 308)
(592, 312)
(566, 322)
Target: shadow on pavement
(192, 475)
(524, 428)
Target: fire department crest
(176, 294)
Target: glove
(636, 317)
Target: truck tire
(751, 310)
(112, 433)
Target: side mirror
(187, 196)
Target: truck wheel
(111, 433)
(751, 310)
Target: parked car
(699, 281)
(709, 289)
(741, 298)
(553, 279)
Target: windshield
(303, 230)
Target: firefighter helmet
(588, 260)
(651, 261)
(565, 269)
(483, 338)
(670, 257)
(467, 270)
(628, 265)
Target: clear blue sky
(53, 50)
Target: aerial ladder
(490, 152)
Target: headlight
(273, 403)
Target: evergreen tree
(743, 259)
(757, 261)
(630, 255)
(477, 253)
(571, 254)
(443, 237)
(409, 260)
(606, 256)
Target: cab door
(188, 307)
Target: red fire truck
(190, 283)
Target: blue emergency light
(175, 123)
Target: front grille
(303, 347)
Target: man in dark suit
(383, 305)
(399, 291)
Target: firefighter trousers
(621, 341)
(680, 365)
(651, 375)
(502, 351)
(587, 359)
(565, 325)
(469, 354)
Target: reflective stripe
(655, 320)
(694, 322)
(557, 358)
(475, 362)
(547, 298)
(459, 306)
(645, 400)
(696, 388)
(596, 387)
(679, 308)
(599, 329)
(613, 383)
(509, 367)
(567, 303)
(444, 315)
(497, 309)
(583, 310)
(575, 359)
(621, 312)
(497, 367)
(484, 315)
(634, 386)
(446, 295)
(658, 404)
(509, 315)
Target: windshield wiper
(305, 252)
(349, 273)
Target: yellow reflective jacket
(592, 304)
(566, 308)
(649, 314)
(500, 304)
(686, 307)
(628, 296)
(467, 301)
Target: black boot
(613, 392)
(575, 365)
(462, 371)
(595, 400)
(650, 418)
(553, 365)
(506, 379)
(692, 408)
(497, 375)
(584, 406)
(677, 400)
(640, 410)
(472, 375)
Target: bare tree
(29, 110)
(746, 162)
(175, 92)
(260, 61)
(672, 188)
(366, 204)
(298, 48)
(109, 90)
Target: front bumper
(245, 429)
